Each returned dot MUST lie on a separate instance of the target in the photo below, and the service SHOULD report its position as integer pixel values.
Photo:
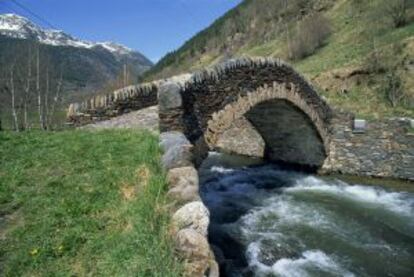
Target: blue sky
(152, 27)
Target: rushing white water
(296, 267)
(272, 222)
(221, 169)
(399, 203)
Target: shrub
(383, 60)
(376, 62)
(397, 10)
(311, 34)
(394, 88)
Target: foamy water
(272, 222)
(298, 267)
(221, 169)
(402, 204)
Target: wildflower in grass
(34, 252)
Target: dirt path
(143, 119)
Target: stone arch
(221, 120)
(276, 96)
(213, 98)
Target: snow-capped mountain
(85, 65)
(17, 26)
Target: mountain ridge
(16, 26)
(87, 66)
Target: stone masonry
(385, 149)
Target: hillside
(81, 68)
(354, 52)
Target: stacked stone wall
(384, 149)
(104, 107)
(191, 217)
(124, 100)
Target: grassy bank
(79, 203)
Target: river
(268, 220)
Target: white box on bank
(360, 126)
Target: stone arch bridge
(295, 122)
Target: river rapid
(272, 221)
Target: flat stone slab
(146, 119)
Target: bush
(394, 89)
(383, 60)
(397, 10)
(311, 34)
(376, 61)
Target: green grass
(80, 203)
(350, 47)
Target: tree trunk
(289, 48)
(27, 89)
(39, 94)
(1, 126)
(125, 75)
(13, 100)
(46, 115)
(25, 123)
(56, 97)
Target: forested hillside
(54, 75)
(42, 70)
(354, 51)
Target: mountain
(85, 64)
(354, 52)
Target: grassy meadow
(79, 203)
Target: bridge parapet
(102, 107)
(118, 102)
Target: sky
(153, 27)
